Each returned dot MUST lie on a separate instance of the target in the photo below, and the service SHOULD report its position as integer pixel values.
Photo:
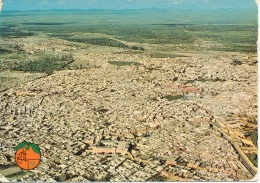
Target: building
(108, 146)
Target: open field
(134, 95)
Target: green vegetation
(14, 56)
(167, 29)
(5, 79)
(221, 28)
(18, 174)
(151, 68)
(10, 31)
(3, 51)
(137, 48)
(253, 158)
(188, 30)
(46, 64)
(41, 23)
(236, 62)
(118, 63)
(151, 34)
(170, 26)
(222, 37)
(173, 97)
(6, 64)
(237, 38)
(160, 179)
(39, 66)
(95, 39)
(254, 137)
(154, 99)
(236, 48)
(133, 33)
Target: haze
(126, 4)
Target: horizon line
(103, 9)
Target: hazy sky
(125, 4)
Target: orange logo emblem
(28, 155)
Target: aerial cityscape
(165, 91)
